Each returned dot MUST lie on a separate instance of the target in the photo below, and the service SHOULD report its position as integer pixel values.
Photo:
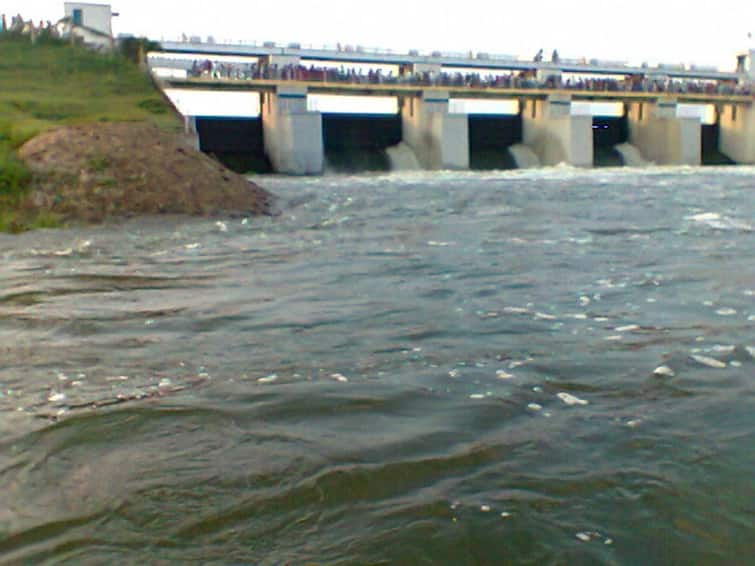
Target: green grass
(14, 177)
(54, 83)
(16, 223)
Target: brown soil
(92, 172)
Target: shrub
(14, 176)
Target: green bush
(15, 134)
(133, 47)
(14, 176)
(45, 219)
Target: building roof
(86, 4)
(68, 20)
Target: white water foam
(631, 156)
(402, 158)
(720, 222)
(524, 157)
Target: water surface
(529, 367)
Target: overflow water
(631, 156)
(402, 158)
(523, 156)
(543, 366)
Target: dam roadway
(482, 92)
(480, 61)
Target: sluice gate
(358, 142)
(238, 143)
(607, 133)
(490, 137)
(710, 146)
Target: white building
(92, 23)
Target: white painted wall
(95, 16)
(229, 104)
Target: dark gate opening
(237, 143)
(710, 152)
(607, 133)
(490, 136)
(357, 142)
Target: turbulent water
(524, 157)
(533, 367)
(402, 158)
(630, 155)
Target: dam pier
(577, 113)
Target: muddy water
(531, 367)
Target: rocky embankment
(97, 171)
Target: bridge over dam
(286, 134)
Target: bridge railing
(223, 70)
(476, 58)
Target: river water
(549, 366)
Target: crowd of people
(18, 25)
(513, 80)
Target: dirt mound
(96, 171)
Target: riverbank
(86, 136)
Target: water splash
(402, 158)
(631, 156)
(524, 156)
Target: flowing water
(631, 156)
(524, 157)
(402, 158)
(532, 367)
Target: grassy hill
(53, 83)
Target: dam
(541, 124)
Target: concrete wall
(440, 140)
(555, 135)
(661, 137)
(281, 60)
(293, 136)
(190, 132)
(95, 16)
(737, 132)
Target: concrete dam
(347, 143)
(288, 136)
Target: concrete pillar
(190, 132)
(736, 132)
(440, 140)
(661, 136)
(293, 136)
(556, 136)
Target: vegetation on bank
(53, 83)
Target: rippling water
(541, 367)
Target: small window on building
(78, 17)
